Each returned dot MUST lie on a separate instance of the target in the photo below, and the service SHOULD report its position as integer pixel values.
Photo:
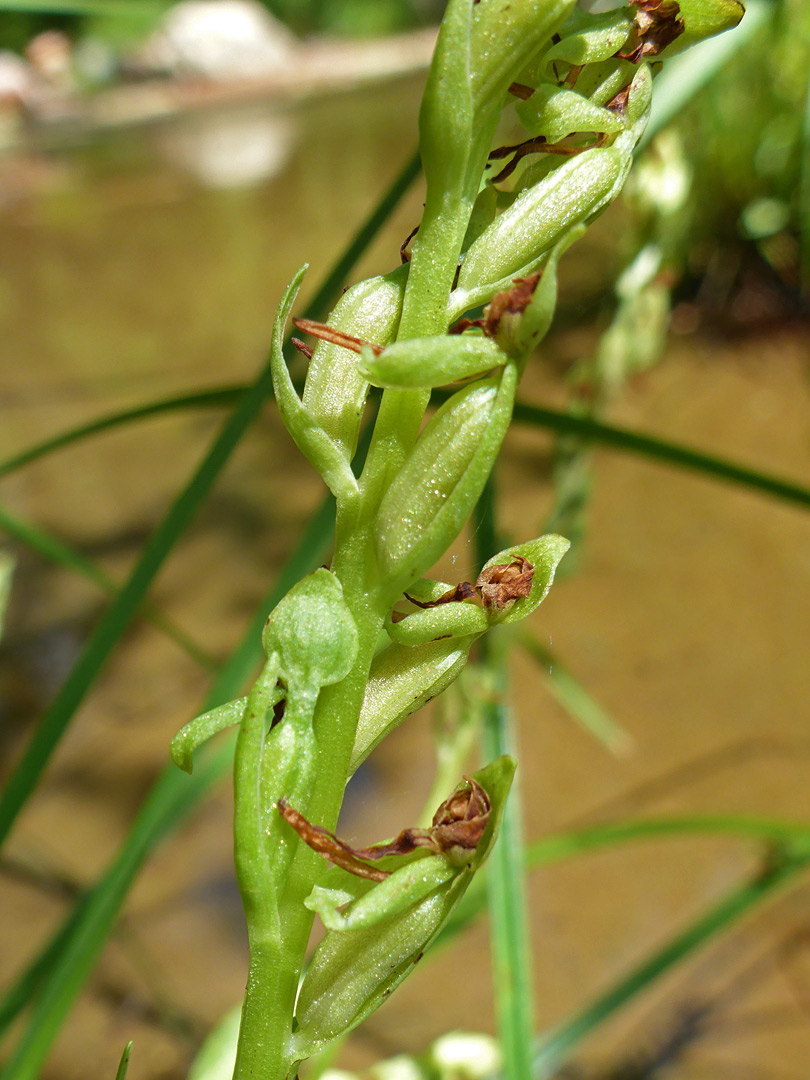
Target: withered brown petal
(465, 590)
(658, 24)
(459, 823)
(512, 301)
(499, 585)
(334, 336)
(328, 845)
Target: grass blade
(618, 438)
(222, 396)
(50, 547)
(69, 957)
(123, 1065)
(576, 700)
(506, 887)
(117, 618)
(633, 442)
(804, 197)
(555, 1048)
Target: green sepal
(435, 490)
(702, 19)
(312, 632)
(353, 971)
(201, 729)
(422, 363)
(327, 455)
(403, 679)
(460, 618)
(587, 39)
(554, 112)
(544, 554)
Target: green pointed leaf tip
(327, 454)
(434, 492)
(544, 554)
(312, 632)
(702, 19)
(353, 971)
(422, 363)
(123, 1064)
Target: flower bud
(312, 633)
(435, 490)
(335, 389)
(539, 217)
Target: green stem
(506, 886)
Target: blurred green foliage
(745, 141)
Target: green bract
(403, 679)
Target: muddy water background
(124, 279)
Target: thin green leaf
(222, 396)
(506, 886)
(554, 1049)
(115, 621)
(539, 416)
(67, 959)
(686, 75)
(50, 547)
(804, 195)
(123, 1064)
(788, 836)
(576, 700)
(659, 449)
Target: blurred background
(164, 170)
